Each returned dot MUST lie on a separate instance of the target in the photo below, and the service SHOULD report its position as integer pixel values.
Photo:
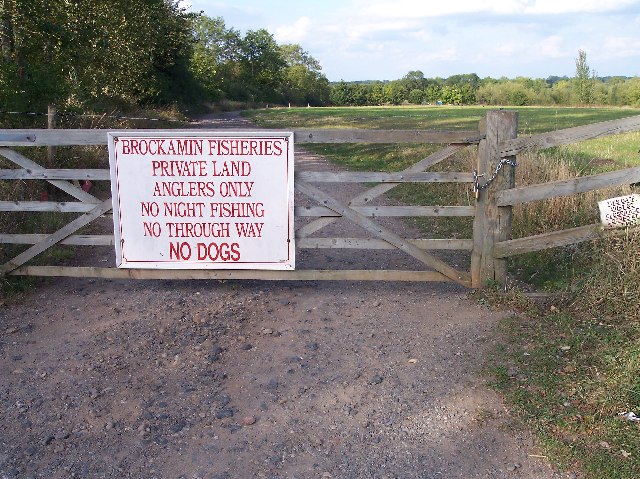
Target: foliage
(412, 88)
(74, 53)
(468, 89)
(612, 290)
(303, 81)
(92, 56)
(216, 53)
(584, 84)
(261, 65)
(253, 67)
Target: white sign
(620, 211)
(198, 200)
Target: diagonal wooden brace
(56, 237)
(378, 190)
(65, 186)
(382, 232)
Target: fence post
(51, 124)
(492, 224)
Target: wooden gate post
(51, 124)
(492, 224)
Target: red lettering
(152, 229)
(235, 252)
(150, 208)
(222, 251)
(180, 251)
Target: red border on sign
(212, 264)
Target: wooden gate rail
(181, 274)
(554, 239)
(35, 168)
(303, 243)
(85, 137)
(327, 211)
(568, 135)
(54, 238)
(580, 184)
(378, 190)
(555, 189)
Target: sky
(385, 39)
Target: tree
(394, 93)
(31, 70)
(416, 96)
(563, 92)
(462, 88)
(376, 94)
(341, 93)
(451, 95)
(303, 81)
(83, 53)
(433, 92)
(293, 54)
(215, 59)
(262, 65)
(584, 81)
(414, 80)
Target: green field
(532, 119)
(614, 150)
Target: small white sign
(203, 200)
(620, 211)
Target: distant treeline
(98, 55)
(469, 89)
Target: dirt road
(247, 379)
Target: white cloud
(621, 47)
(364, 30)
(576, 6)
(551, 47)
(419, 8)
(440, 55)
(294, 33)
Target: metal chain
(476, 184)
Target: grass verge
(572, 372)
(570, 377)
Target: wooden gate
(490, 246)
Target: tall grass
(612, 289)
(560, 212)
(559, 267)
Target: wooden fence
(497, 144)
